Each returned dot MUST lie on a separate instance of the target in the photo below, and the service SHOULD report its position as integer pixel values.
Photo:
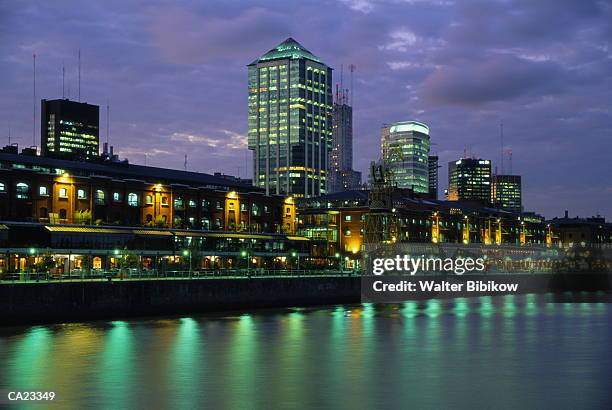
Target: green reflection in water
(462, 308)
(186, 364)
(29, 367)
(531, 305)
(241, 369)
(433, 308)
(116, 367)
(410, 309)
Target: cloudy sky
(174, 74)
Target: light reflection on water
(492, 352)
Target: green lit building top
(290, 126)
(69, 129)
(405, 150)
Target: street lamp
(185, 254)
(245, 254)
(338, 258)
(294, 254)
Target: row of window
(22, 191)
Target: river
(486, 352)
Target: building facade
(432, 162)
(290, 120)
(341, 176)
(69, 129)
(506, 192)
(469, 179)
(405, 151)
(57, 191)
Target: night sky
(175, 76)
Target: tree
(129, 260)
(46, 262)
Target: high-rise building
(469, 179)
(405, 151)
(290, 126)
(432, 162)
(341, 176)
(506, 192)
(69, 129)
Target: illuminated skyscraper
(290, 126)
(469, 179)
(506, 192)
(433, 166)
(341, 176)
(405, 152)
(69, 129)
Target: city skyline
(176, 82)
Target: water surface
(488, 352)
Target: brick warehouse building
(86, 214)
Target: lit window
(81, 194)
(192, 203)
(43, 191)
(347, 218)
(178, 202)
(23, 190)
(164, 200)
(132, 199)
(100, 197)
(149, 199)
(2, 187)
(116, 197)
(63, 193)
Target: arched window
(23, 190)
(132, 199)
(149, 199)
(149, 218)
(62, 214)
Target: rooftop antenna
(352, 68)
(145, 155)
(342, 81)
(9, 129)
(34, 102)
(79, 99)
(510, 161)
(501, 135)
(63, 80)
(107, 120)
(185, 164)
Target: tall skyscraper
(433, 167)
(405, 152)
(341, 176)
(506, 192)
(69, 129)
(290, 125)
(469, 179)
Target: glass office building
(469, 179)
(405, 151)
(290, 120)
(70, 129)
(506, 192)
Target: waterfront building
(59, 191)
(469, 179)
(340, 221)
(69, 129)
(290, 120)
(506, 192)
(405, 151)
(432, 162)
(85, 209)
(580, 231)
(341, 176)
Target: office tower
(433, 166)
(69, 129)
(506, 192)
(290, 127)
(469, 179)
(341, 176)
(405, 151)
